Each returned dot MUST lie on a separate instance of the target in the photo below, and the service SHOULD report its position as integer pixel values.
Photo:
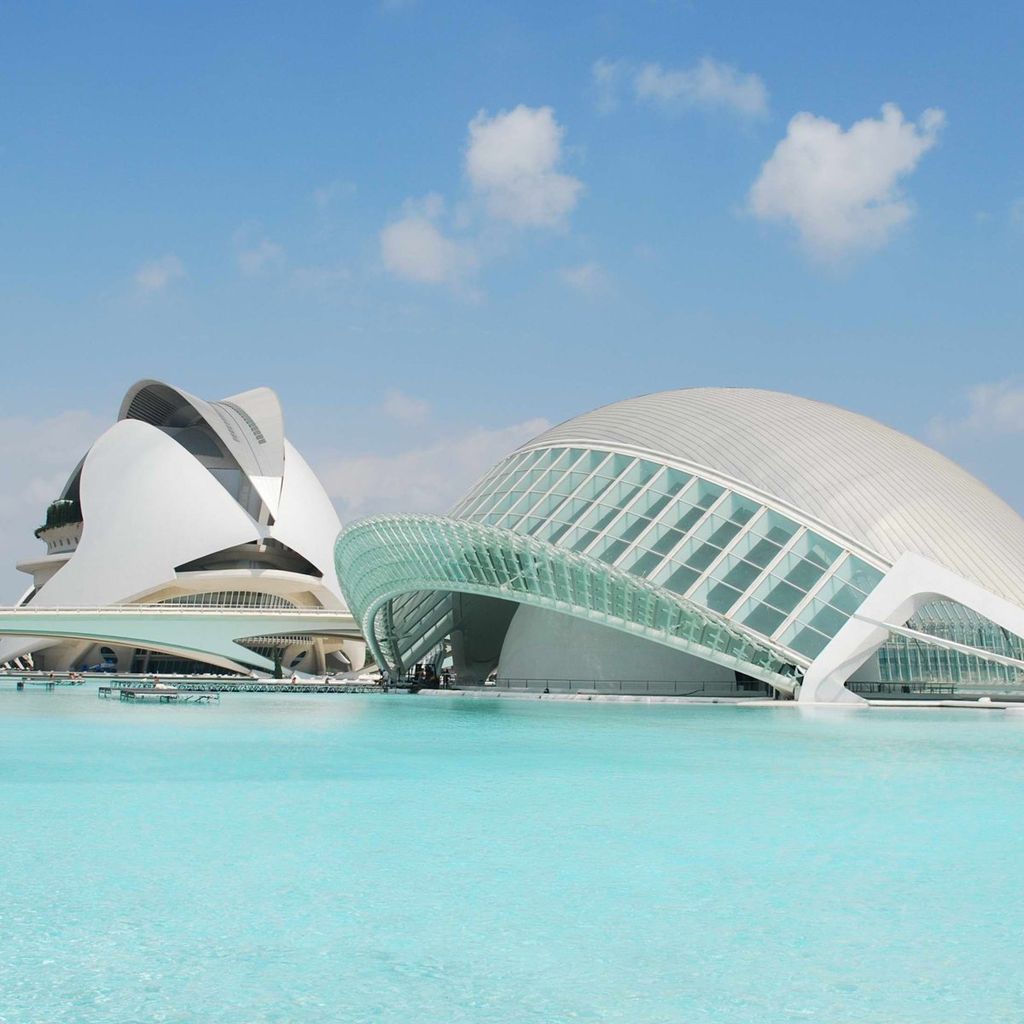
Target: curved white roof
(250, 425)
(876, 486)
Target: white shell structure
(740, 527)
(873, 485)
(189, 502)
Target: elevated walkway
(210, 634)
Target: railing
(175, 610)
(652, 687)
(902, 688)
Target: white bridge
(210, 633)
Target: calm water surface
(407, 859)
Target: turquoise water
(413, 859)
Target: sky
(435, 228)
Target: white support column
(911, 583)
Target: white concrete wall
(543, 645)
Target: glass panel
(775, 527)
(593, 488)
(716, 596)
(761, 618)
(737, 509)
(609, 549)
(662, 540)
(680, 579)
(620, 494)
(671, 482)
(614, 465)
(546, 505)
(817, 550)
(803, 574)
(823, 617)
(582, 539)
(857, 572)
(590, 461)
(779, 594)
(701, 557)
(641, 562)
(651, 503)
(737, 573)
(682, 517)
(599, 516)
(805, 640)
(756, 549)
(568, 483)
(840, 594)
(641, 472)
(702, 493)
(630, 526)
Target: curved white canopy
(250, 425)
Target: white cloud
(709, 84)
(512, 161)
(156, 275)
(414, 248)
(429, 478)
(36, 457)
(840, 189)
(258, 256)
(400, 406)
(992, 410)
(589, 278)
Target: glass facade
(399, 573)
(904, 659)
(724, 551)
(637, 543)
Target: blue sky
(433, 227)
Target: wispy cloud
(332, 191)
(156, 275)
(257, 256)
(425, 478)
(406, 408)
(841, 189)
(992, 410)
(708, 84)
(36, 454)
(588, 278)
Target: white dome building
(707, 541)
(196, 503)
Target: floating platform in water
(47, 684)
(158, 695)
(244, 685)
